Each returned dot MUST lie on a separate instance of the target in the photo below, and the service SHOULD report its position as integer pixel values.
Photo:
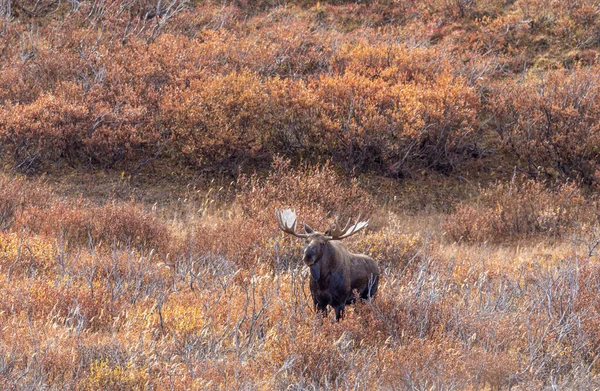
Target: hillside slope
(146, 144)
(384, 87)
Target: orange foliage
(119, 295)
(519, 211)
(550, 123)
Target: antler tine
(280, 220)
(334, 229)
(356, 228)
(283, 224)
(347, 224)
(338, 234)
(286, 219)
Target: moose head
(316, 242)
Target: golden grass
(228, 305)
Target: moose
(335, 272)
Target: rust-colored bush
(21, 254)
(223, 98)
(123, 224)
(16, 194)
(519, 211)
(390, 248)
(316, 192)
(218, 120)
(548, 122)
(48, 129)
(395, 120)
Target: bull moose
(335, 272)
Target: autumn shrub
(196, 110)
(390, 248)
(575, 22)
(21, 254)
(548, 123)
(589, 278)
(296, 122)
(15, 86)
(390, 61)
(129, 223)
(519, 211)
(218, 119)
(224, 121)
(121, 224)
(298, 50)
(138, 81)
(315, 192)
(48, 129)
(102, 118)
(71, 304)
(394, 126)
(104, 375)
(393, 114)
(16, 194)
(217, 99)
(422, 311)
(320, 357)
(57, 127)
(232, 243)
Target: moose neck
(328, 257)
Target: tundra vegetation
(146, 144)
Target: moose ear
(308, 229)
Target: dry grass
(219, 300)
(521, 211)
(146, 256)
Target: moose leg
(339, 312)
(370, 289)
(321, 307)
(351, 299)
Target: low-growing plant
(317, 192)
(548, 122)
(517, 211)
(104, 375)
(16, 194)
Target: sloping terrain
(145, 146)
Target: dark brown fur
(336, 274)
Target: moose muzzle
(311, 260)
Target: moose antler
(287, 222)
(337, 233)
